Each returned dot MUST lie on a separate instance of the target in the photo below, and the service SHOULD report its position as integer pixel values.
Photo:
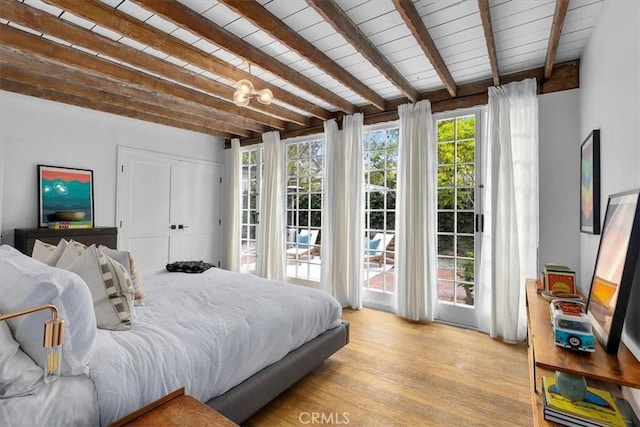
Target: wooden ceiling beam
(564, 77)
(118, 102)
(46, 23)
(264, 19)
(188, 19)
(32, 70)
(94, 104)
(554, 38)
(340, 21)
(487, 27)
(414, 22)
(124, 24)
(20, 40)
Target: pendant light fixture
(245, 91)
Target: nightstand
(175, 409)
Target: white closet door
(196, 210)
(169, 208)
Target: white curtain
(2, 154)
(271, 229)
(510, 243)
(235, 200)
(342, 222)
(415, 245)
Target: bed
(235, 341)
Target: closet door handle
(173, 226)
(182, 227)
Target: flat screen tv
(614, 273)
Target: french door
(458, 223)
(251, 182)
(380, 178)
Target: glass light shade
(244, 86)
(240, 98)
(53, 338)
(52, 363)
(264, 96)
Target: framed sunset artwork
(590, 184)
(64, 193)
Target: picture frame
(590, 183)
(614, 274)
(65, 194)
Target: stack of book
(559, 278)
(63, 225)
(598, 409)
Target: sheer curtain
(416, 214)
(234, 228)
(510, 243)
(342, 236)
(271, 229)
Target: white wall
(559, 172)
(36, 131)
(610, 101)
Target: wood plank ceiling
(176, 62)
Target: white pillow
(19, 376)
(26, 282)
(126, 259)
(109, 283)
(47, 253)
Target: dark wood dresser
(25, 237)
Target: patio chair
(375, 248)
(304, 244)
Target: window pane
(445, 244)
(303, 202)
(466, 151)
(445, 268)
(391, 200)
(465, 175)
(377, 220)
(445, 176)
(316, 218)
(465, 270)
(466, 222)
(465, 199)
(445, 222)
(445, 199)
(465, 246)
(377, 180)
(445, 153)
(376, 200)
(445, 130)
(466, 127)
(391, 220)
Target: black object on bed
(189, 266)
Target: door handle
(173, 226)
(182, 227)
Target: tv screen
(614, 272)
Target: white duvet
(207, 332)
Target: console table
(545, 357)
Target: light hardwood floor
(399, 373)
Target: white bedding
(207, 332)
(68, 401)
